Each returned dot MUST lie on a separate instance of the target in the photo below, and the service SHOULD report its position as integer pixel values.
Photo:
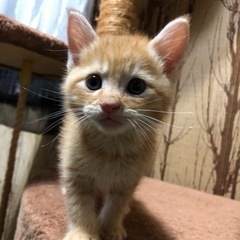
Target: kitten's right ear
(80, 35)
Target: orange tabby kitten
(117, 91)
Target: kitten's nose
(110, 105)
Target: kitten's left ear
(170, 44)
(80, 35)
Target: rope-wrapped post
(116, 17)
(7, 185)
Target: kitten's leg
(112, 214)
(81, 209)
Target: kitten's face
(119, 84)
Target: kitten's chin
(111, 126)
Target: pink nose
(110, 107)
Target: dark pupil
(94, 82)
(136, 86)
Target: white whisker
(150, 101)
(52, 141)
(52, 91)
(148, 126)
(51, 126)
(52, 115)
(165, 112)
(161, 122)
(144, 134)
(134, 126)
(52, 99)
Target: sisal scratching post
(116, 17)
(7, 185)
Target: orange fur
(110, 156)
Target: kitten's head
(120, 83)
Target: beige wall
(202, 150)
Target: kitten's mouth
(109, 122)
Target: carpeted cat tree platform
(159, 211)
(15, 33)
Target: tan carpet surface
(160, 211)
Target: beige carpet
(160, 211)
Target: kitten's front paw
(113, 233)
(79, 235)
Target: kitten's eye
(94, 82)
(136, 86)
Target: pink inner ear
(73, 45)
(80, 34)
(171, 43)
